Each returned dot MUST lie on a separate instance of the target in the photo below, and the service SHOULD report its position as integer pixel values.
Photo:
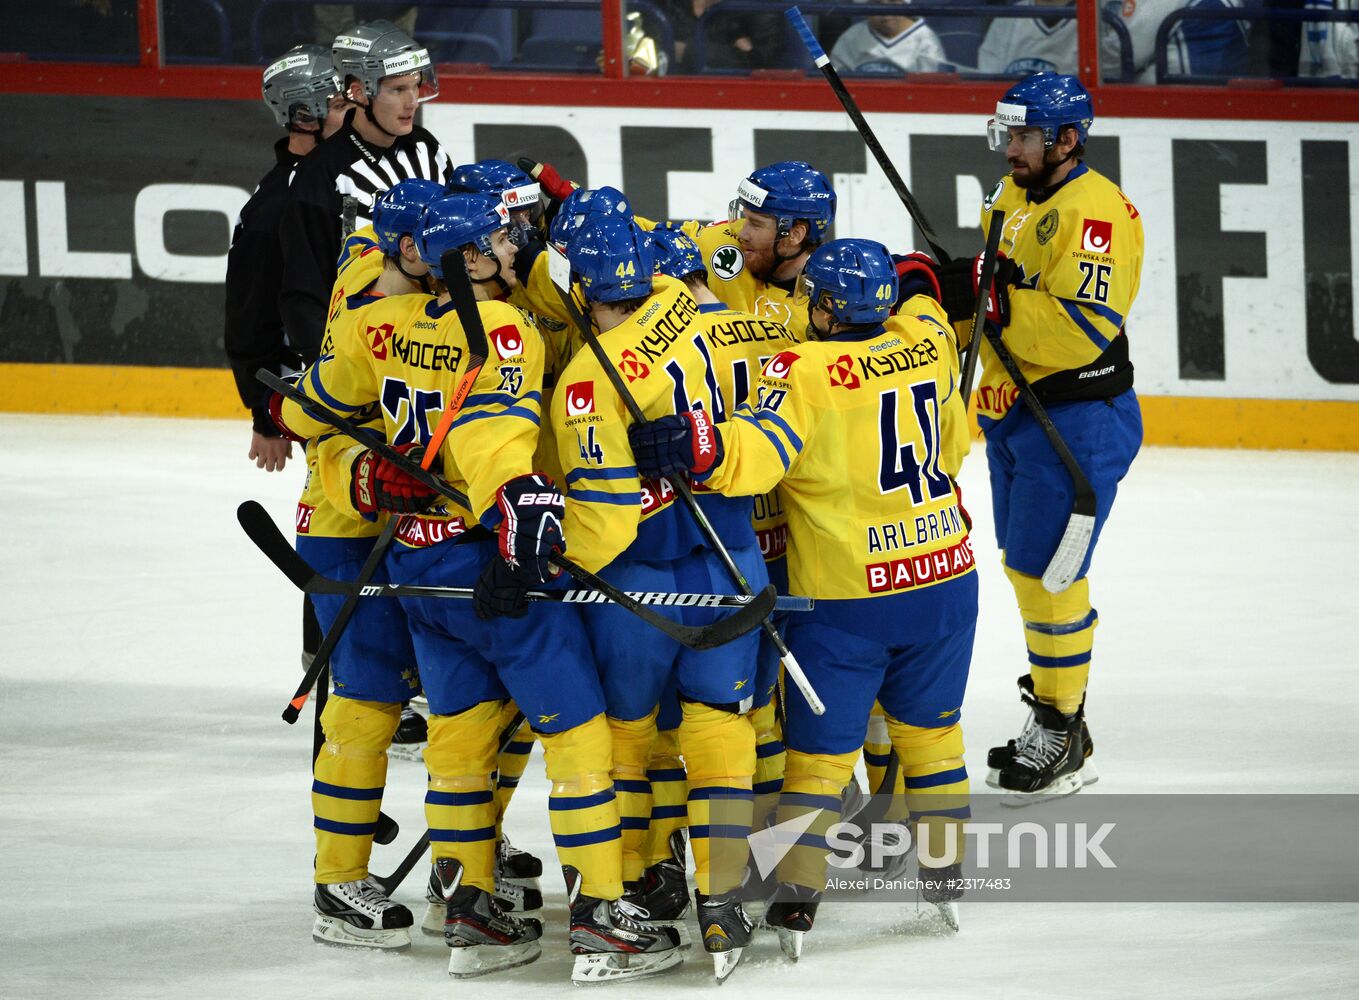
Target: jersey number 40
(901, 467)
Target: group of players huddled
(807, 388)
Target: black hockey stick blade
(261, 529)
(390, 882)
(988, 274)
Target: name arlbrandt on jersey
(905, 534)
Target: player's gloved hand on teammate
(377, 484)
(500, 591)
(530, 530)
(916, 276)
(681, 444)
(554, 185)
(958, 283)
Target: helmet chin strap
(496, 279)
(779, 259)
(372, 119)
(420, 279)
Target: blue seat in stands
(467, 34)
(562, 39)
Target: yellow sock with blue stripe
(669, 792)
(347, 782)
(632, 740)
(769, 761)
(459, 803)
(812, 782)
(582, 807)
(877, 755)
(511, 763)
(719, 753)
(937, 790)
(1059, 631)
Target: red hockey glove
(916, 276)
(554, 185)
(676, 445)
(377, 484)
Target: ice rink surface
(154, 810)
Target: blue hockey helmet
(853, 280)
(676, 254)
(587, 203)
(1047, 101)
(397, 211)
(612, 259)
(516, 189)
(789, 191)
(459, 220)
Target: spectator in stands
(1020, 46)
(734, 41)
(888, 43)
(1330, 48)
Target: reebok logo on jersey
(632, 366)
(841, 372)
(508, 342)
(777, 366)
(580, 398)
(377, 339)
(727, 262)
(1097, 236)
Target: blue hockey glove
(676, 445)
(499, 591)
(530, 530)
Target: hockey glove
(554, 185)
(676, 445)
(377, 484)
(958, 281)
(916, 275)
(499, 591)
(530, 530)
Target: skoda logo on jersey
(508, 343)
(990, 199)
(727, 262)
(580, 398)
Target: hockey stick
(851, 107)
(988, 274)
(1071, 550)
(262, 530)
(686, 494)
(460, 287)
(718, 633)
(390, 882)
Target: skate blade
(338, 934)
(480, 959)
(725, 963)
(433, 921)
(680, 927)
(1089, 775)
(948, 910)
(993, 777)
(407, 751)
(790, 942)
(612, 966)
(1067, 784)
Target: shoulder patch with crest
(1047, 227)
(991, 198)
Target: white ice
(154, 813)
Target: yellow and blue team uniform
(469, 667)
(637, 535)
(373, 666)
(1078, 249)
(853, 429)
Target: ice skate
(1048, 757)
(942, 888)
(612, 940)
(791, 913)
(360, 915)
(891, 845)
(412, 733)
(481, 937)
(662, 893)
(998, 758)
(509, 896)
(514, 865)
(725, 929)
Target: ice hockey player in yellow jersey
(636, 533)
(850, 424)
(373, 666)
(1073, 243)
